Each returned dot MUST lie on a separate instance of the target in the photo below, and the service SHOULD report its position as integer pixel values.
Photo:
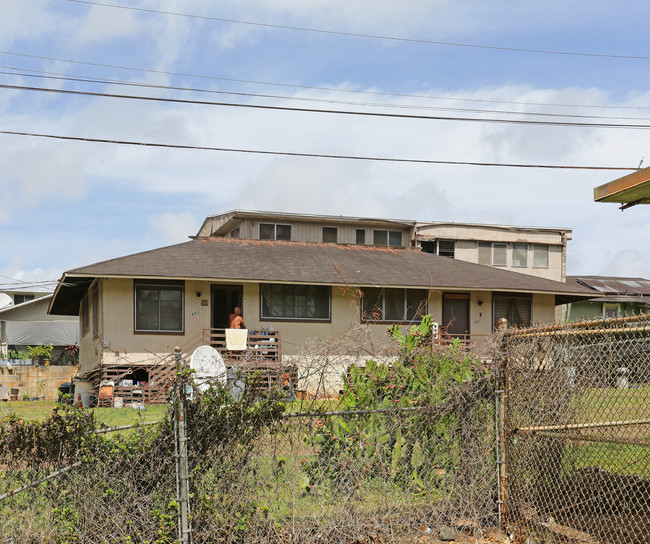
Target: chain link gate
(575, 431)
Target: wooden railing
(260, 345)
(466, 340)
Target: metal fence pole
(501, 432)
(184, 529)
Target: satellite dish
(5, 300)
(208, 367)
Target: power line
(312, 155)
(85, 79)
(371, 36)
(325, 111)
(312, 87)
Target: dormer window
(330, 235)
(386, 237)
(275, 231)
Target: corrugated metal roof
(613, 285)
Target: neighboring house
(18, 296)
(133, 310)
(28, 324)
(613, 297)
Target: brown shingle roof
(296, 262)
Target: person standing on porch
(236, 319)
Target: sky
(66, 203)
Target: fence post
(182, 468)
(500, 420)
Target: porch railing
(260, 345)
(466, 340)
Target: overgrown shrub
(405, 419)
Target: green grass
(611, 404)
(111, 417)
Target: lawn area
(612, 404)
(112, 417)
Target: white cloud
(174, 227)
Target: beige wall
(309, 231)
(116, 342)
(466, 250)
(467, 238)
(36, 380)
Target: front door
(224, 299)
(455, 313)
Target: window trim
(296, 319)
(158, 283)
(383, 305)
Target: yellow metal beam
(631, 189)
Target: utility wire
(85, 79)
(371, 36)
(335, 112)
(311, 87)
(315, 155)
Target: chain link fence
(349, 444)
(575, 431)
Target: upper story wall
(317, 229)
(535, 251)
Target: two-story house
(296, 277)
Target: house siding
(118, 344)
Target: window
(330, 234)
(361, 236)
(234, 233)
(485, 253)
(301, 302)
(446, 248)
(159, 307)
(517, 309)
(95, 294)
(611, 310)
(380, 237)
(519, 255)
(85, 320)
(19, 299)
(540, 256)
(499, 254)
(428, 246)
(380, 305)
(387, 238)
(273, 231)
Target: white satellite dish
(208, 367)
(5, 300)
